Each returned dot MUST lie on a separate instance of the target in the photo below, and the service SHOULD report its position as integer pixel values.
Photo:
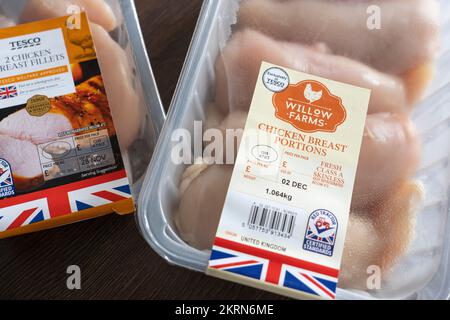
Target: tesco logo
(26, 43)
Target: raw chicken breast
(6, 22)
(238, 67)
(24, 160)
(123, 100)
(390, 154)
(231, 129)
(98, 11)
(379, 236)
(407, 38)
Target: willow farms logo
(321, 232)
(6, 180)
(310, 107)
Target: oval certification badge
(276, 79)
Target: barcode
(272, 220)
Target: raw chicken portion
(213, 117)
(123, 99)
(98, 11)
(417, 81)
(379, 236)
(24, 160)
(6, 22)
(87, 107)
(408, 36)
(231, 129)
(238, 67)
(390, 154)
(201, 203)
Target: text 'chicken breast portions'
(238, 67)
(390, 154)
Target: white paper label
(285, 217)
(32, 64)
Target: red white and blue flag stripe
(43, 205)
(24, 214)
(99, 195)
(273, 268)
(8, 92)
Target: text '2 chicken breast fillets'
(75, 132)
(298, 146)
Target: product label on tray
(59, 153)
(285, 216)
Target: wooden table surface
(115, 261)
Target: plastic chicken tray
(420, 270)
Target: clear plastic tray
(128, 35)
(422, 274)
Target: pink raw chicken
(390, 154)
(6, 22)
(98, 11)
(238, 67)
(379, 236)
(408, 36)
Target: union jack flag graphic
(273, 268)
(99, 195)
(8, 92)
(24, 214)
(43, 205)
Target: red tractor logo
(322, 225)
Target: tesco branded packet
(306, 209)
(79, 109)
